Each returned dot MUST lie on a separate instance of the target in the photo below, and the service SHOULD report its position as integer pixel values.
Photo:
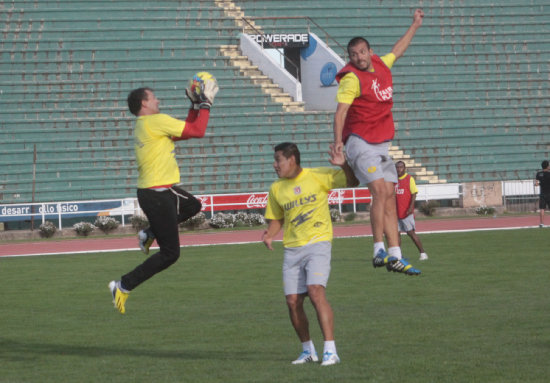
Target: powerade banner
(23, 212)
(282, 40)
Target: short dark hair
(135, 98)
(356, 40)
(289, 149)
(544, 164)
(401, 162)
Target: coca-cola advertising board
(245, 201)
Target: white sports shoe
(306, 357)
(329, 359)
(423, 256)
(146, 239)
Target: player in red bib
(363, 122)
(405, 194)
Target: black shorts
(544, 201)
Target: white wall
(428, 192)
(271, 68)
(319, 64)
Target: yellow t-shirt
(349, 88)
(155, 150)
(303, 204)
(412, 184)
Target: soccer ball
(196, 84)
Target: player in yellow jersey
(298, 202)
(164, 202)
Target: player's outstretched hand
(337, 156)
(418, 16)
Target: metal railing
(516, 195)
(124, 207)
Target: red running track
(106, 244)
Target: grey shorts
(370, 161)
(306, 265)
(406, 224)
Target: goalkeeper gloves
(209, 90)
(193, 98)
(201, 92)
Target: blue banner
(52, 210)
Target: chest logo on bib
(381, 94)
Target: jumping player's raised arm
(403, 43)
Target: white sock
(395, 251)
(378, 246)
(308, 346)
(330, 346)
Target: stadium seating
(471, 93)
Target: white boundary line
(249, 242)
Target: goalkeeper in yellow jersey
(298, 202)
(160, 197)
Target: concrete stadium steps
(471, 93)
(111, 57)
(473, 76)
(106, 99)
(449, 18)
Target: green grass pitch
(478, 313)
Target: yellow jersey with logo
(155, 150)
(303, 204)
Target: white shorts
(306, 265)
(406, 224)
(370, 161)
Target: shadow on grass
(16, 350)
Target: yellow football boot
(119, 297)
